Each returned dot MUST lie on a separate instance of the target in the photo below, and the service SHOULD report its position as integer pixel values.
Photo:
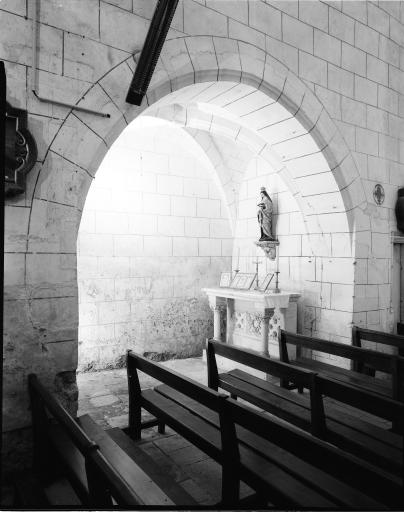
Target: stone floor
(104, 394)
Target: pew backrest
(260, 362)
(341, 465)
(319, 385)
(380, 361)
(372, 403)
(383, 338)
(181, 383)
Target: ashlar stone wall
(233, 122)
(297, 263)
(153, 233)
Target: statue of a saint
(264, 216)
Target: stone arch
(80, 144)
(83, 140)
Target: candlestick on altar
(277, 258)
(277, 290)
(256, 263)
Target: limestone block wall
(287, 226)
(154, 231)
(232, 122)
(300, 257)
(345, 56)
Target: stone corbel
(269, 248)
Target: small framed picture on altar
(243, 281)
(225, 279)
(265, 283)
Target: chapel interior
(203, 292)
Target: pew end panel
(94, 479)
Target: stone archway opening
(173, 205)
(80, 144)
(154, 231)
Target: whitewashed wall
(232, 123)
(154, 231)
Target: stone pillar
(265, 331)
(217, 305)
(229, 320)
(217, 311)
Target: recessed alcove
(173, 205)
(153, 232)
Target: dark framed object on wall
(20, 150)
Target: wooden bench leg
(161, 428)
(397, 427)
(367, 370)
(230, 486)
(135, 423)
(99, 495)
(45, 461)
(135, 395)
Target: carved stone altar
(253, 318)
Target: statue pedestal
(269, 247)
(253, 318)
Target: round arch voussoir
(189, 60)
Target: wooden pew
(387, 363)
(62, 447)
(382, 338)
(278, 475)
(376, 337)
(339, 475)
(329, 421)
